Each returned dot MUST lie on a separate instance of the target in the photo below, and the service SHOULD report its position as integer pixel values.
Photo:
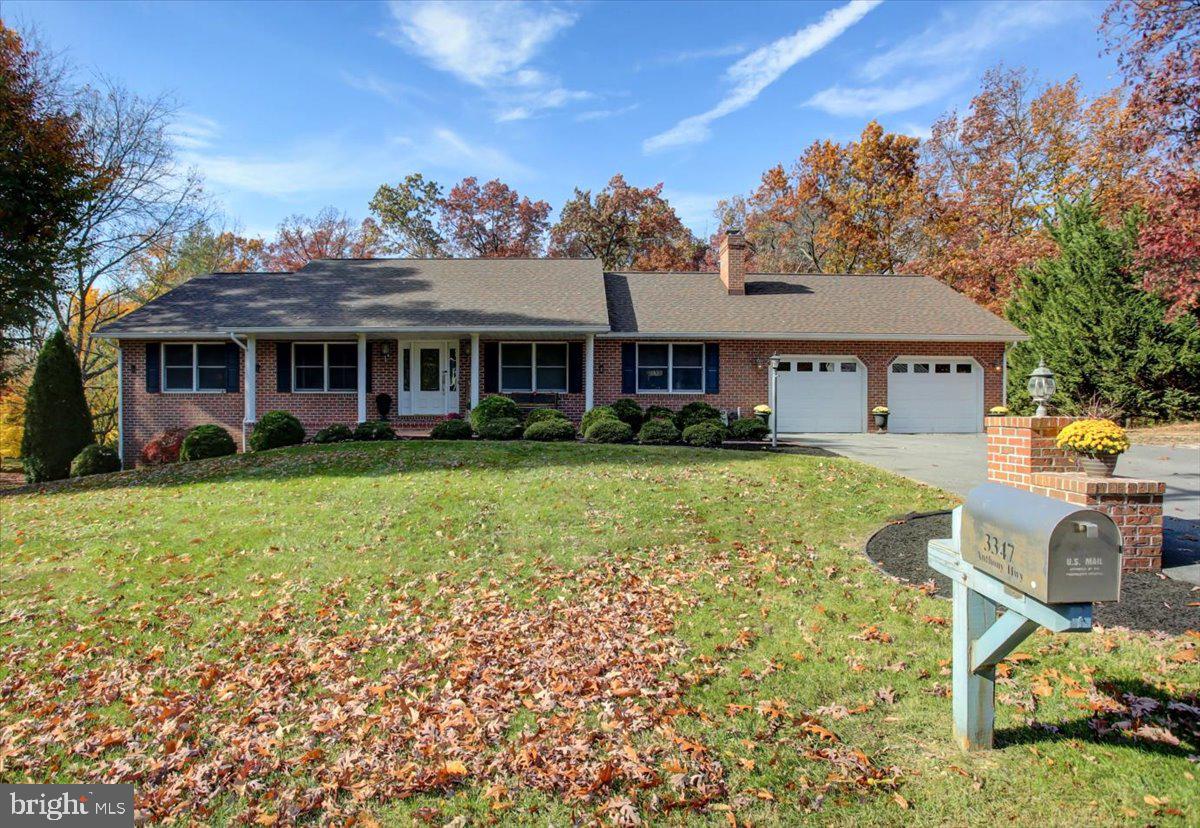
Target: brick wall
(744, 384)
(1022, 454)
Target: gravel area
(1148, 602)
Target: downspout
(241, 345)
(1004, 376)
(121, 403)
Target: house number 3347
(995, 546)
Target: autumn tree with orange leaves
(626, 228)
(493, 221)
(327, 235)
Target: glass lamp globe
(1041, 387)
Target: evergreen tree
(1107, 340)
(57, 421)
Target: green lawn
(541, 633)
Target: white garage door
(937, 395)
(821, 394)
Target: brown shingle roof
(383, 294)
(831, 306)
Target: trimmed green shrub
(336, 433)
(705, 434)
(600, 412)
(501, 428)
(276, 429)
(658, 432)
(553, 428)
(748, 428)
(374, 430)
(58, 423)
(493, 408)
(658, 412)
(206, 441)
(95, 459)
(628, 412)
(451, 430)
(537, 415)
(696, 412)
(609, 430)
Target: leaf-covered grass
(540, 632)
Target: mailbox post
(1044, 562)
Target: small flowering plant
(998, 411)
(762, 409)
(1094, 438)
(881, 409)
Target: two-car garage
(924, 394)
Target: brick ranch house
(438, 334)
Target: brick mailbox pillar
(1022, 454)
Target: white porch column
(589, 371)
(121, 402)
(251, 395)
(476, 358)
(362, 378)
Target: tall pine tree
(58, 423)
(1107, 340)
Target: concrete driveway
(958, 462)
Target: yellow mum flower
(1093, 437)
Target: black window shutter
(231, 367)
(629, 368)
(712, 368)
(575, 367)
(491, 367)
(153, 368)
(369, 354)
(283, 367)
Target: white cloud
(193, 131)
(690, 55)
(759, 69)
(869, 101)
(604, 114)
(397, 93)
(950, 43)
(489, 45)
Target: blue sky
(290, 107)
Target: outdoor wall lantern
(387, 349)
(1041, 387)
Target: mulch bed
(1149, 601)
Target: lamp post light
(1041, 387)
(774, 401)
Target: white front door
(821, 393)
(935, 394)
(433, 380)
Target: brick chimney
(733, 262)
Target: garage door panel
(818, 394)
(935, 395)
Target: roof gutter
(858, 336)
(327, 331)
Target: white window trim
(296, 389)
(533, 369)
(637, 374)
(195, 389)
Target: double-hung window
(325, 366)
(670, 367)
(533, 366)
(193, 366)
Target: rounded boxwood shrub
(493, 408)
(658, 412)
(600, 412)
(609, 430)
(628, 412)
(163, 448)
(552, 428)
(95, 459)
(336, 433)
(658, 432)
(705, 434)
(537, 415)
(748, 428)
(276, 429)
(451, 430)
(206, 441)
(501, 428)
(696, 412)
(374, 430)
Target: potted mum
(763, 412)
(1098, 444)
(998, 411)
(880, 413)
